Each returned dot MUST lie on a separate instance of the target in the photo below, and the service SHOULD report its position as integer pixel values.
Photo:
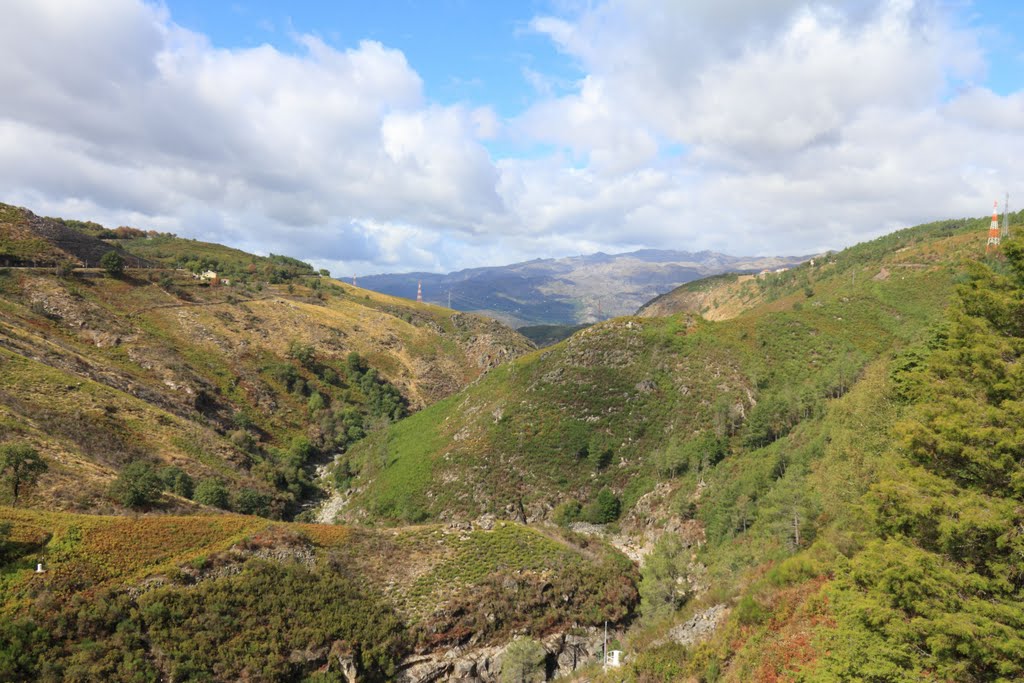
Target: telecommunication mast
(993, 229)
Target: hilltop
(573, 290)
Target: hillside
(30, 240)
(600, 409)
(250, 385)
(727, 295)
(795, 480)
(262, 601)
(816, 474)
(569, 291)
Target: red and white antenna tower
(993, 229)
(419, 291)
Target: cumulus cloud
(800, 126)
(742, 125)
(115, 104)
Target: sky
(405, 135)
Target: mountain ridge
(569, 290)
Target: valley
(805, 475)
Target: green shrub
(566, 513)
(177, 481)
(750, 611)
(252, 502)
(212, 492)
(113, 263)
(138, 485)
(604, 508)
(523, 662)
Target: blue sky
(388, 136)
(463, 50)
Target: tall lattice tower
(993, 229)
(419, 291)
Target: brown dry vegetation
(96, 372)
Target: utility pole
(1006, 216)
(604, 649)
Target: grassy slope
(533, 431)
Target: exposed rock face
(700, 627)
(566, 653)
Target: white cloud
(116, 105)
(743, 125)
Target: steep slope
(569, 291)
(237, 598)
(729, 294)
(887, 546)
(250, 384)
(616, 404)
(30, 240)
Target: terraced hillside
(249, 384)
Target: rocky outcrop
(566, 652)
(700, 627)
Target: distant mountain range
(572, 290)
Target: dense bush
(604, 508)
(137, 485)
(212, 492)
(177, 481)
(113, 263)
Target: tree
(604, 508)
(663, 587)
(212, 492)
(138, 485)
(177, 481)
(20, 467)
(113, 263)
(252, 502)
(524, 662)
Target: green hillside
(624, 404)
